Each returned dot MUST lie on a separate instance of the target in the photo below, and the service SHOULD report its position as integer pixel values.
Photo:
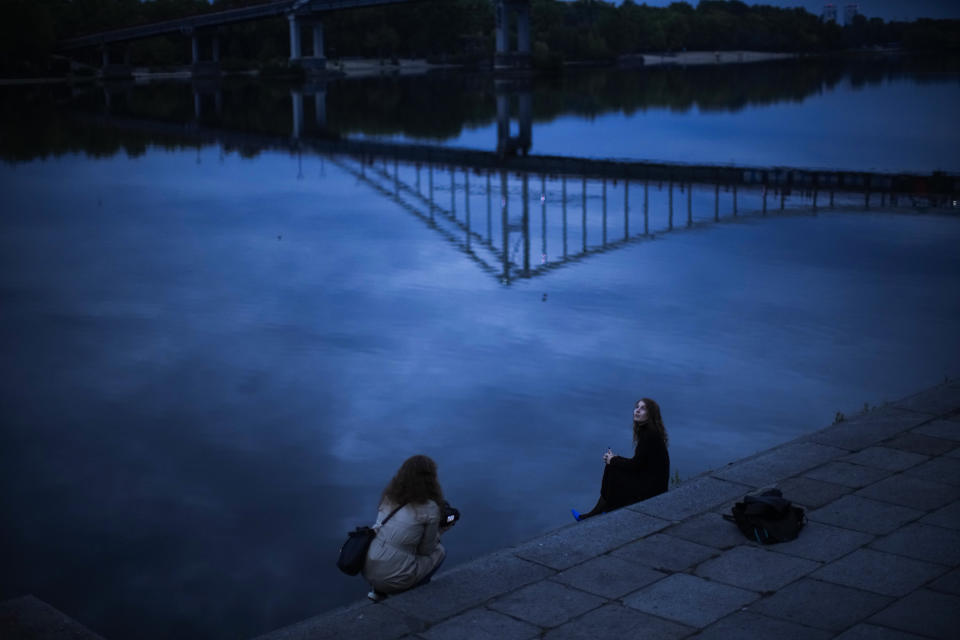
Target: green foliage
(546, 60)
(27, 35)
(461, 30)
(675, 479)
(932, 35)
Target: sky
(886, 9)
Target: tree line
(41, 123)
(462, 31)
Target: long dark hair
(415, 483)
(654, 421)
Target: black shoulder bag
(768, 518)
(353, 553)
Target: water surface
(216, 358)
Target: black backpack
(768, 518)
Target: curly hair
(654, 421)
(415, 483)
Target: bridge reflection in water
(521, 225)
(521, 216)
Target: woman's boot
(598, 508)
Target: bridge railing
(184, 25)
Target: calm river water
(216, 354)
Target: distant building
(829, 13)
(850, 12)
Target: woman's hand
(607, 456)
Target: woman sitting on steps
(646, 474)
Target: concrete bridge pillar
(201, 67)
(503, 123)
(312, 64)
(294, 38)
(296, 97)
(502, 25)
(508, 144)
(522, 11)
(318, 39)
(316, 63)
(525, 222)
(525, 121)
(205, 92)
(113, 71)
(520, 57)
(318, 88)
(320, 108)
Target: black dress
(646, 474)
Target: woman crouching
(406, 551)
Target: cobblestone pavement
(879, 557)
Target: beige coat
(406, 548)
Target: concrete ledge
(868, 428)
(692, 497)
(467, 586)
(940, 401)
(581, 541)
(778, 464)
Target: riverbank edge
(696, 58)
(373, 67)
(571, 574)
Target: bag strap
(392, 513)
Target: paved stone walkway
(878, 558)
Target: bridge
(300, 14)
(485, 202)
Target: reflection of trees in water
(726, 87)
(433, 107)
(440, 106)
(32, 126)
